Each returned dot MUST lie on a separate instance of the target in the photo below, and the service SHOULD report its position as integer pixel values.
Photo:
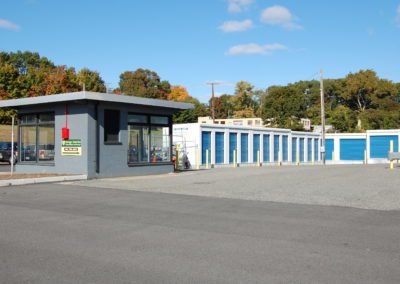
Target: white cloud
(237, 6)
(398, 16)
(236, 26)
(279, 16)
(5, 24)
(253, 48)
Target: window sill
(112, 143)
(150, 164)
(52, 164)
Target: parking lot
(359, 186)
(215, 226)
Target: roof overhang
(93, 96)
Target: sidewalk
(22, 179)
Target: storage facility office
(94, 134)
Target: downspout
(96, 115)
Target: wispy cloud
(280, 16)
(255, 49)
(5, 24)
(398, 16)
(237, 6)
(236, 26)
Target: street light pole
(323, 152)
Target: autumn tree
(178, 94)
(144, 83)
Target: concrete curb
(26, 181)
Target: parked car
(28, 153)
(5, 152)
(46, 152)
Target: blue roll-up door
(301, 149)
(285, 146)
(244, 140)
(205, 145)
(352, 149)
(276, 148)
(294, 149)
(266, 148)
(309, 149)
(219, 147)
(316, 149)
(380, 145)
(232, 146)
(329, 148)
(256, 146)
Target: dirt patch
(5, 176)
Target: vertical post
(391, 151)
(313, 157)
(177, 157)
(12, 145)
(258, 158)
(365, 157)
(279, 157)
(212, 104)
(333, 156)
(322, 119)
(297, 158)
(206, 158)
(234, 159)
(198, 158)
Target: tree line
(358, 102)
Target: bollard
(176, 158)
(198, 158)
(333, 155)
(365, 157)
(312, 158)
(234, 159)
(297, 159)
(391, 151)
(206, 158)
(279, 158)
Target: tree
(223, 106)
(144, 83)
(191, 115)
(178, 94)
(92, 80)
(343, 119)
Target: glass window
(159, 120)
(46, 143)
(111, 126)
(46, 117)
(149, 141)
(28, 144)
(137, 118)
(138, 151)
(28, 119)
(37, 137)
(160, 145)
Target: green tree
(144, 83)
(92, 80)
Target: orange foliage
(178, 94)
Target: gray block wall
(113, 159)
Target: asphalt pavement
(73, 234)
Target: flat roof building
(94, 134)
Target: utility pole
(212, 99)
(323, 153)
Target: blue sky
(191, 42)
